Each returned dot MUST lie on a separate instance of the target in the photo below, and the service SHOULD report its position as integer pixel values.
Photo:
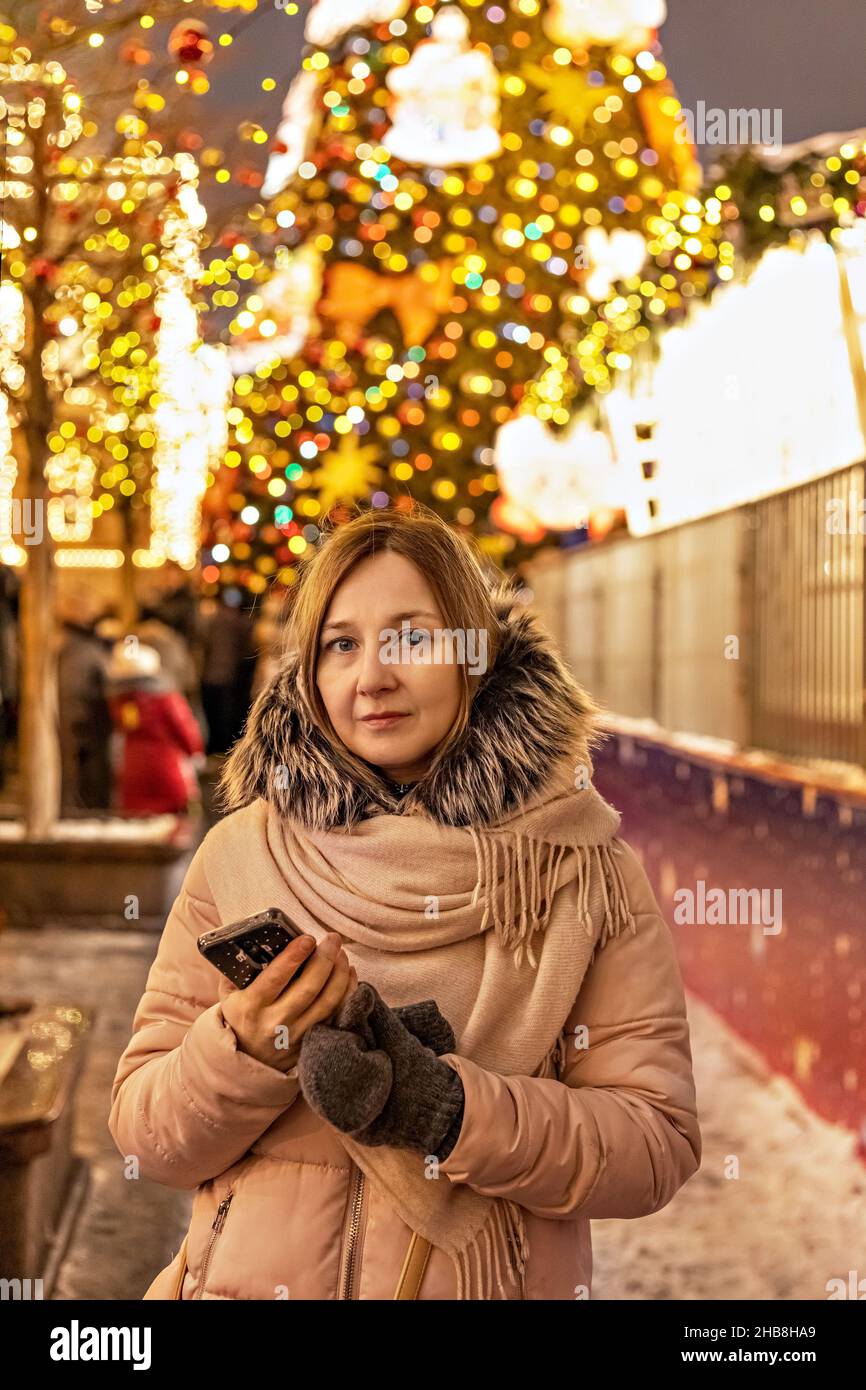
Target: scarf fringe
(499, 1248)
(529, 876)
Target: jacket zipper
(354, 1231)
(218, 1223)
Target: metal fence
(809, 666)
(749, 625)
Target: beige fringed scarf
(497, 923)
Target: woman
(488, 1043)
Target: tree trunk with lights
(39, 751)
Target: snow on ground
(794, 1218)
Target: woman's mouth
(384, 721)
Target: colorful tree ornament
(418, 299)
(667, 133)
(347, 473)
(558, 482)
(189, 43)
(567, 94)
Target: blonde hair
(446, 560)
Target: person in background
(160, 733)
(171, 599)
(227, 670)
(84, 718)
(177, 662)
(268, 637)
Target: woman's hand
(277, 1009)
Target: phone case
(242, 950)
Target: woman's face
(365, 667)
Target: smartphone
(242, 950)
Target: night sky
(805, 56)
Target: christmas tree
(472, 212)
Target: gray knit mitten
(429, 1025)
(372, 1077)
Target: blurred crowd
(141, 707)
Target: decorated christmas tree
(472, 213)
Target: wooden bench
(42, 1181)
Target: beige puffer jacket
(281, 1212)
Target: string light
(193, 383)
(11, 380)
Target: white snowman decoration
(446, 108)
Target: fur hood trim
(528, 712)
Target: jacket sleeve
(185, 1101)
(617, 1134)
(182, 724)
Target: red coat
(160, 735)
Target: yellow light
(96, 40)
(91, 558)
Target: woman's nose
(375, 673)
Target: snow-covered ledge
(141, 830)
(99, 872)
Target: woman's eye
(415, 632)
(332, 646)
